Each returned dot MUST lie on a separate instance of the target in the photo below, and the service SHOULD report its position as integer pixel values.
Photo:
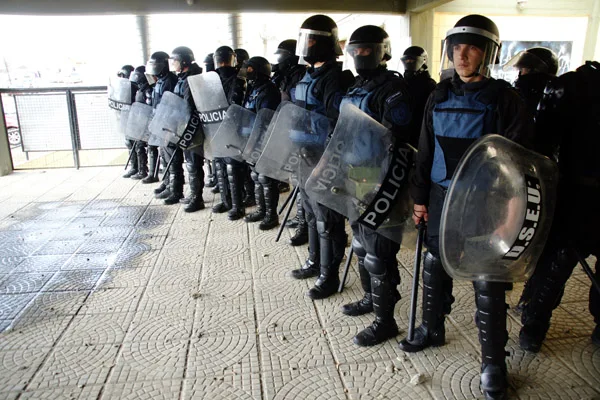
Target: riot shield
(295, 144)
(233, 133)
(170, 118)
(211, 104)
(497, 212)
(139, 118)
(259, 136)
(119, 102)
(363, 175)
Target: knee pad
(375, 265)
(490, 295)
(322, 229)
(432, 269)
(255, 177)
(264, 180)
(358, 248)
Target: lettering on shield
(191, 131)
(118, 105)
(385, 199)
(213, 117)
(531, 221)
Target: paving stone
(75, 366)
(25, 333)
(229, 386)
(226, 268)
(12, 304)
(73, 280)
(311, 384)
(42, 263)
(155, 390)
(88, 392)
(89, 261)
(580, 354)
(101, 246)
(18, 366)
(59, 247)
(91, 330)
(46, 305)
(120, 300)
(19, 283)
(125, 278)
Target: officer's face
(175, 65)
(467, 60)
(524, 71)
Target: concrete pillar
(591, 48)
(142, 24)
(235, 29)
(422, 34)
(6, 166)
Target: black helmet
(241, 56)
(184, 55)
(318, 40)
(414, 59)
(376, 40)
(478, 31)
(125, 71)
(139, 75)
(209, 62)
(286, 50)
(224, 55)
(257, 67)
(537, 59)
(158, 64)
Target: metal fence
(63, 119)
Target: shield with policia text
(211, 104)
(497, 212)
(139, 118)
(233, 134)
(363, 174)
(259, 136)
(170, 118)
(119, 102)
(295, 144)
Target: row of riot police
(349, 145)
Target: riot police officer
(460, 110)
(184, 64)
(230, 172)
(420, 85)
(241, 56)
(383, 95)
(142, 95)
(568, 119)
(158, 66)
(125, 72)
(286, 74)
(209, 66)
(262, 93)
(320, 90)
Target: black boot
(132, 171)
(271, 190)
(547, 284)
(225, 204)
(161, 188)
(212, 178)
(196, 202)
(491, 321)
(384, 327)
(152, 160)
(133, 160)
(301, 235)
(364, 305)
(249, 197)
(236, 183)
(311, 266)
(259, 196)
(165, 185)
(142, 160)
(437, 298)
(176, 178)
(328, 282)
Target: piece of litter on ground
(417, 379)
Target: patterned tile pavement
(106, 293)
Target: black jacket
(182, 88)
(164, 84)
(420, 86)
(262, 94)
(233, 86)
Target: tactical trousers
(195, 167)
(367, 241)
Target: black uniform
(263, 94)
(143, 95)
(230, 172)
(130, 143)
(420, 86)
(568, 121)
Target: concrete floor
(106, 293)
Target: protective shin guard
(364, 305)
(301, 235)
(437, 299)
(329, 280)
(259, 198)
(223, 183)
(196, 202)
(312, 265)
(271, 196)
(152, 160)
(236, 182)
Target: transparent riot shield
(211, 104)
(259, 136)
(497, 212)
(170, 118)
(139, 118)
(233, 134)
(295, 144)
(363, 175)
(119, 102)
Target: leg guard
(223, 184)
(249, 199)
(142, 160)
(301, 235)
(364, 305)
(152, 160)
(235, 175)
(259, 198)
(312, 265)
(271, 196)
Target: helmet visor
(412, 63)
(469, 55)
(155, 67)
(365, 55)
(311, 42)
(526, 60)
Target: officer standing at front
(460, 110)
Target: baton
(130, 155)
(157, 166)
(287, 214)
(346, 269)
(169, 164)
(209, 163)
(588, 271)
(285, 203)
(417, 271)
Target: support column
(591, 48)
(235, 29)
(6, 166)
(142, 24)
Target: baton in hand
(346, 269)
(131, 153)
(416, 273)
(287, 214)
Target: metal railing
(64, 118)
